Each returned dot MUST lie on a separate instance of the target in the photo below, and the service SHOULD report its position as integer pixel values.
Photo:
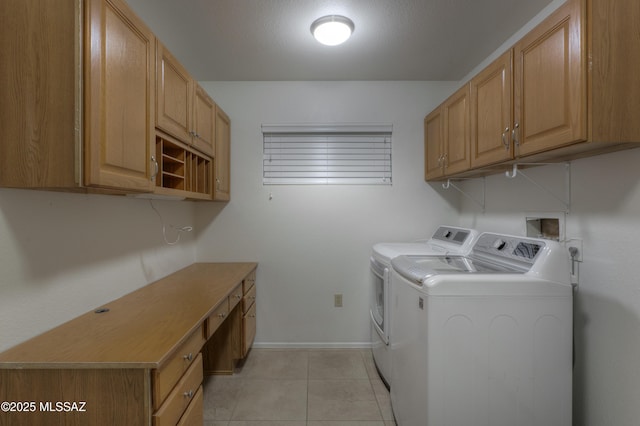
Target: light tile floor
(299, 387)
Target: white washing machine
(445, 239)
(483, 339)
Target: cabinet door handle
(514, 133)
(157, 168)
(505, 142)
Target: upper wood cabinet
(567, 89)
(119, 82)
(222, 160)
(613, 45)
(550, 77)
(204, 121)
(69, 124)
(446, 136)
(184, 110)
(433, 145)
(492, 113)
(455, 114)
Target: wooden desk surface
(140, 329)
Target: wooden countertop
(140, 330)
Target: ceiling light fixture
(332, 30)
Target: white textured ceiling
(393, 39)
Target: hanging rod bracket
(566, 200)
(449, 184)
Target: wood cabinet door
(550, 83)
(174, 103)
(222, 159)
(491, 113)
(433, 141)
(248, 330)
(204, 116)
(456, 127)
(119, 98)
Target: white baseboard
(312, 345)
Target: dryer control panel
(452, 234)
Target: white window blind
(327, 154)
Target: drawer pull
(188, 357)
(188, 394)
(222, 315)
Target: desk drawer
(249, 281)
(235, 297)
(248, 329)
(194, 414)
(217, 317)
(249, 299)
(181, 396)
(166, 377)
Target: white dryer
(445, 239)
(483, 339)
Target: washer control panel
(506, 248)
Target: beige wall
(64, 254)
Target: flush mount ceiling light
(332, 30)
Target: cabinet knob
(238, 296)
(188, 394)
(188, 357)
(222, 315)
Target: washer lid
(384, 252)
(445, 239)
(418, 269)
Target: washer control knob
(499, 244)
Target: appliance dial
(499, 244)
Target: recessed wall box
(547, 226)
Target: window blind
(327, 154)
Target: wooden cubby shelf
(182, 171)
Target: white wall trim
(312, 345)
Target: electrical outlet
(337, 300)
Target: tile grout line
(308, 373)
(375, 395)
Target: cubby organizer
(182, 171)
